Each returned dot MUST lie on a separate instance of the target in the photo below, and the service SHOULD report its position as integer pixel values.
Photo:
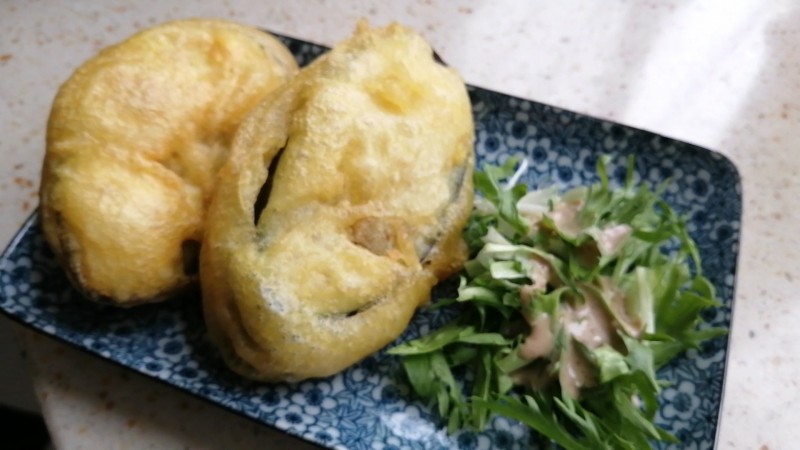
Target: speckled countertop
(721, 74)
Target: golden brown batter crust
(364, 212)
(134, 141)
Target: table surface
(721, 74)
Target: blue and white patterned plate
(369, 406)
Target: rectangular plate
(369, 406)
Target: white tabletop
(721, 74)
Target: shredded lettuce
(602, 285)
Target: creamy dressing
(575, 371)
(587, 323)
(540, 275)
(617, 300)
(591, 325)
(565, 218)
(541, 340)
(612, 238)
(526, 295)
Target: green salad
(569, 305)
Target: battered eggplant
(134, 141)
(341, 206)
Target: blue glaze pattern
(369, 406)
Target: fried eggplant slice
(341, 206)
(134, 141)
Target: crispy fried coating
(341, 206)
(134, 141)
